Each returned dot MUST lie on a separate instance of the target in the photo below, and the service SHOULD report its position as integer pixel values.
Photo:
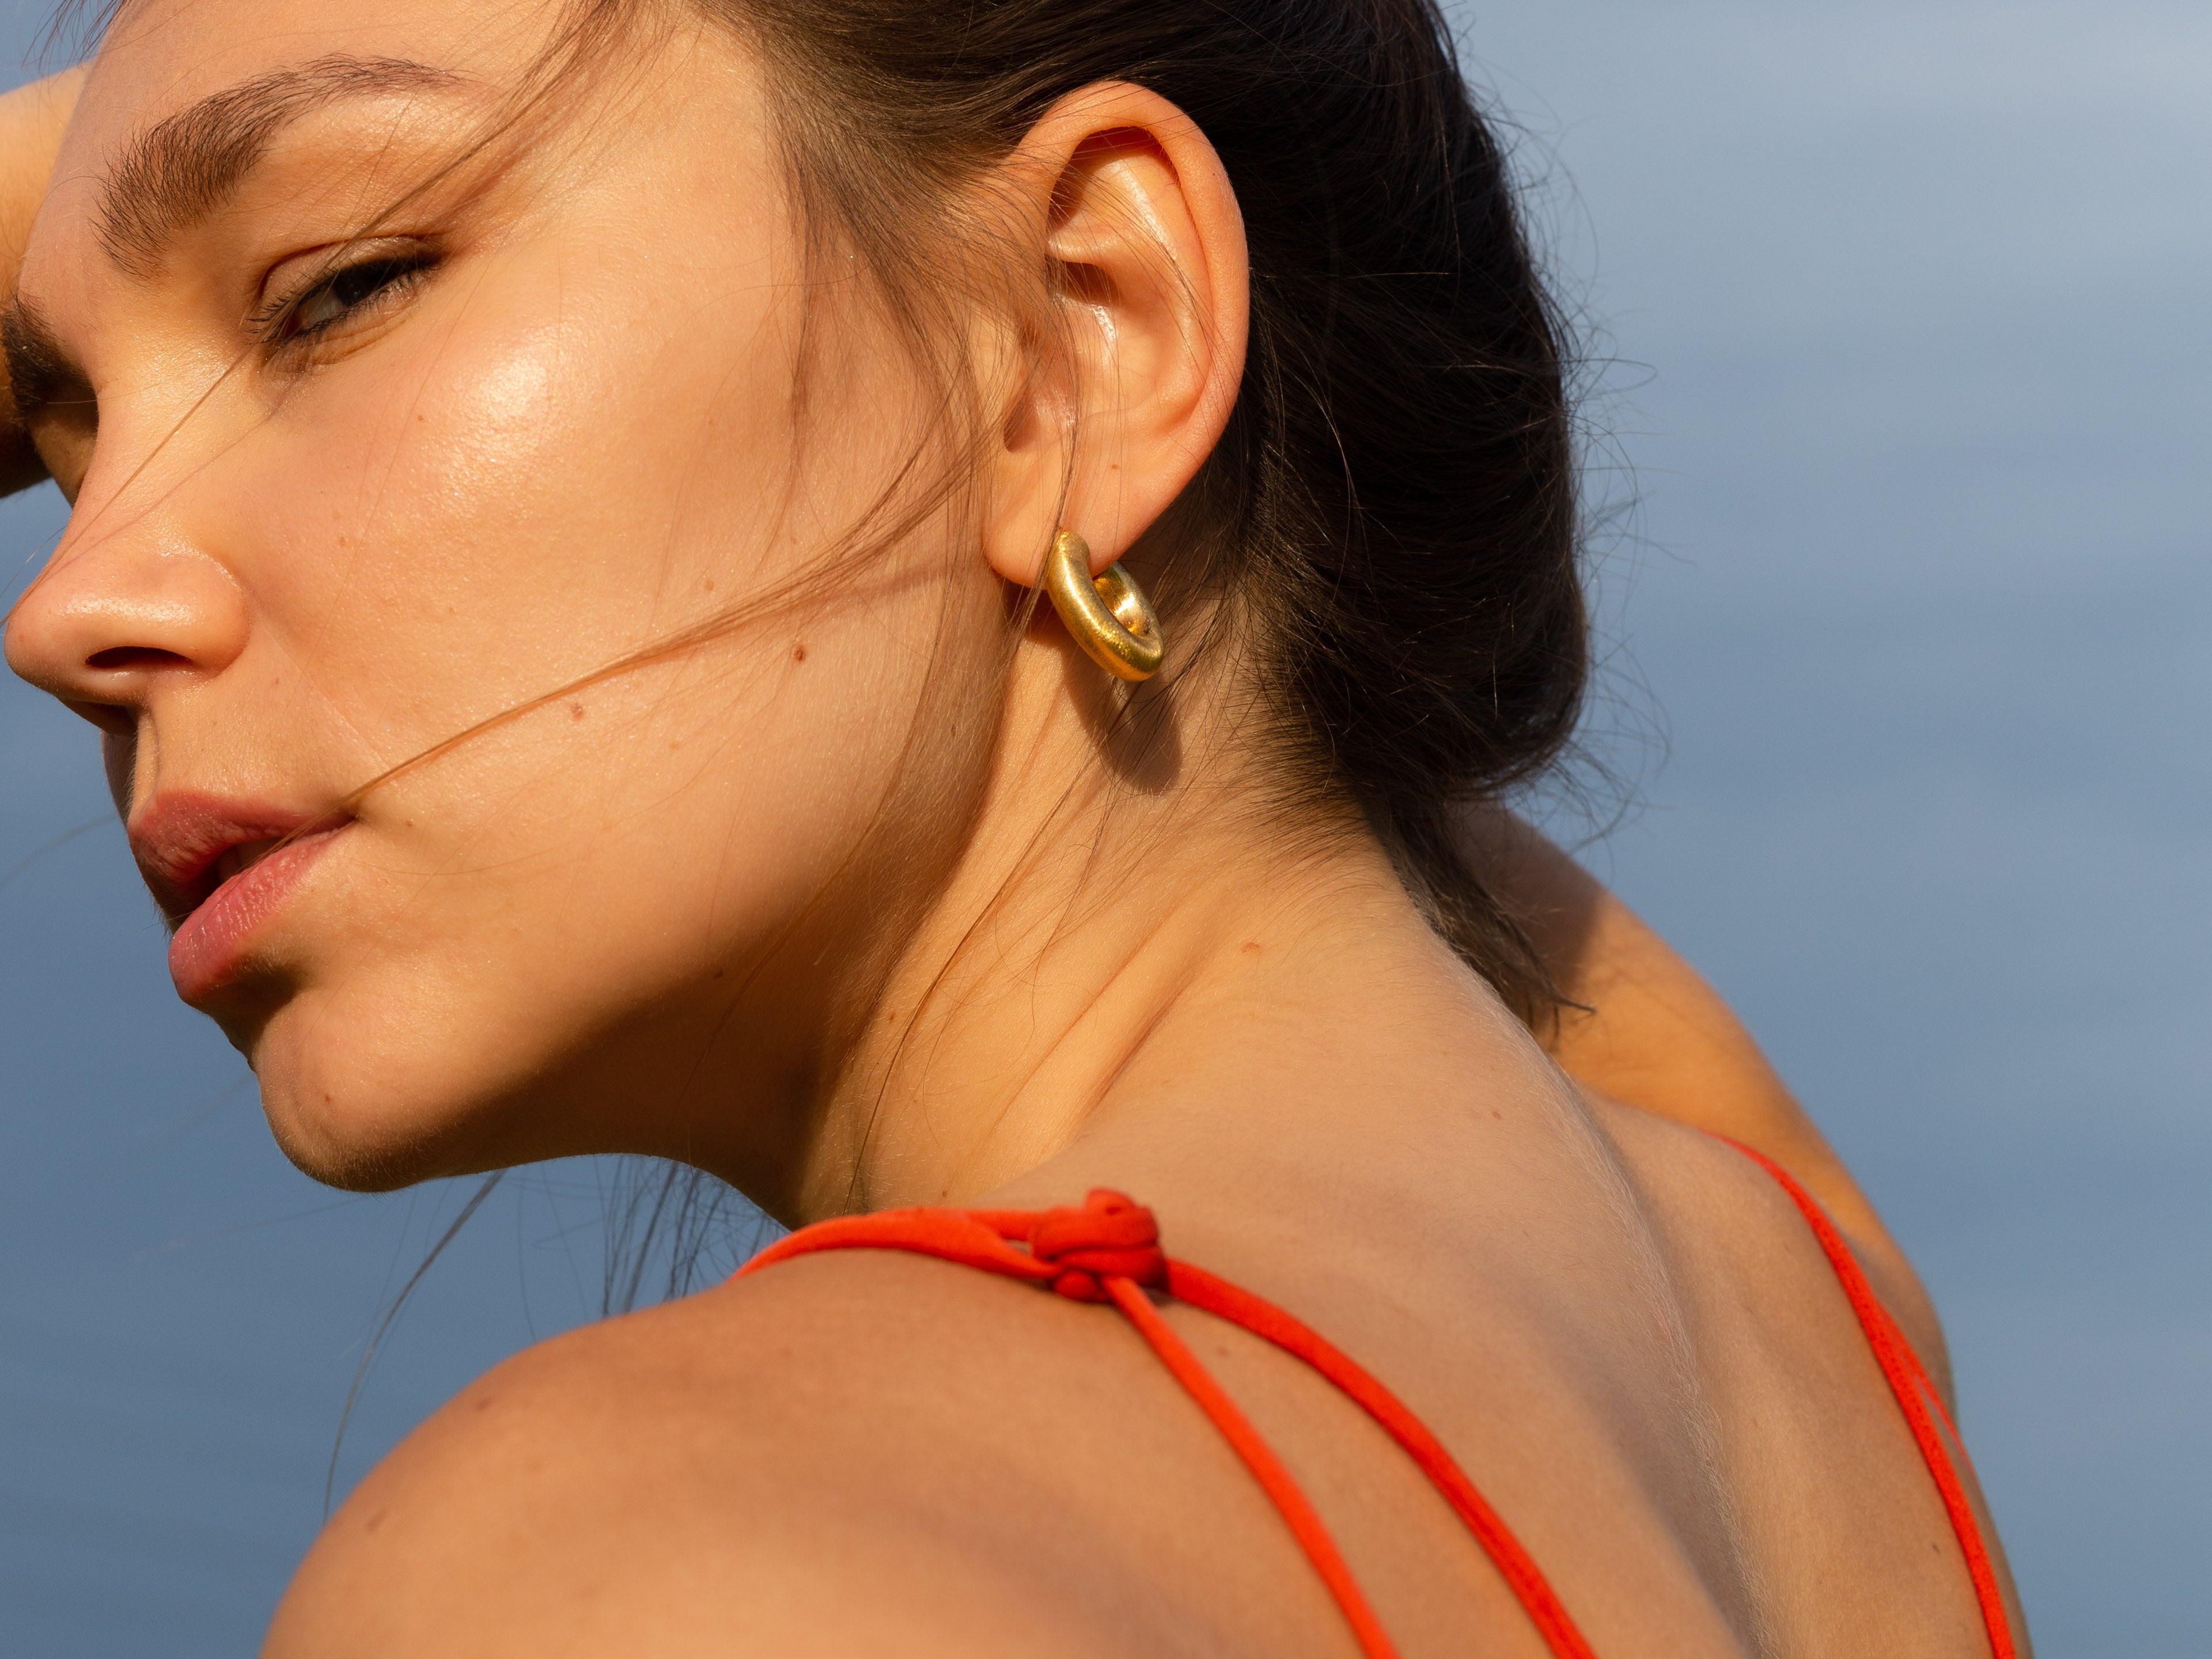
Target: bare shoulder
(1741, 1211)
(856, 1454)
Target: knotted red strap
(1109, 1237)
(1110, 1250)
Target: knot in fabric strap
(1111, 1236)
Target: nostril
(135, 656)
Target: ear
(1144, 249)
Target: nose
(114, 617)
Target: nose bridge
(128, 597)
(141, 590)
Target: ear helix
(1108, 616)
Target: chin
(364, 1122)
(350, 1165)
(349, 1144)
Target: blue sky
(1911, 598)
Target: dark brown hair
(1393, 507)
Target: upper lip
(181, 838)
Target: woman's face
(345, 498)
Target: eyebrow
(187, 165)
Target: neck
(1108, 958)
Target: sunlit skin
(737, 906)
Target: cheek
(503, 507)
(489, 518)
(574, 936)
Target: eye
(338, 295)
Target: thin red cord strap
(1289, 1498)
(1201, 1290)
(1108, 1251)
(1916, 1396)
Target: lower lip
(210, 947)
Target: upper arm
(470, 1556)
(704, 1480)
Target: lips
(218, 867)
(188, 845)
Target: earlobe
(1138, 364)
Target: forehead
(162, 58)
(184, 96)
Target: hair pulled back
(1393, 504)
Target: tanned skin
(1641, 1026)
(347, 495)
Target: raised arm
(31, 122)
(1650, 1033)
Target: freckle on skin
(575, 711)
(798, 653)
(1251, 947)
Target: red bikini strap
(1530, 1588)
(1108, 1251)
(1916, 1396)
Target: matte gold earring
(1109, 616)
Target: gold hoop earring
(1109, 616)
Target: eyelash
(277, 323)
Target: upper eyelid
(343, 254)
(343, 257)
(267, 320)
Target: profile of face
(394, 399)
